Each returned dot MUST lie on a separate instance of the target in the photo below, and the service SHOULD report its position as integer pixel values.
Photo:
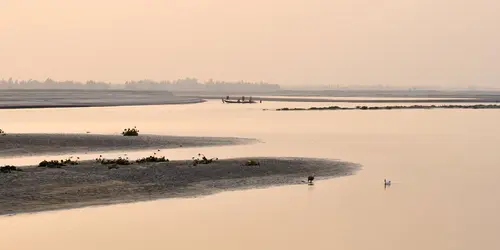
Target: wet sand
(90, 183)
(362, 99)
(23, 99)
(477, 106)
(43, 144)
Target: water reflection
(454, 151)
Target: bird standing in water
(387, 183)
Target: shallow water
(443, 165)
(350, 98)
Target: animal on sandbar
(310, 179)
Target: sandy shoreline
(414, 107)
(43, 144)
(361, 99)
(89, 183)
(27, 99)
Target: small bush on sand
(58, 164)
(70, 161)
(9, 169)
(252, 163)
(203, 160)
(130, 132)
(50, 164)
(2, 132)
(118, 161)
(152, 158)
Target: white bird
(387, 183)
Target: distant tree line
(187, 84)
(51, 84)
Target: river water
(443, 165)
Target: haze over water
(405, 43)
(443, 165)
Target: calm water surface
(443, 164)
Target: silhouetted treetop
(186, 84)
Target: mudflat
(92, 183)
(58, 98)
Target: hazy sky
(396, 42)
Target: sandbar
(399, 107)
(90, 183)
(37, 98)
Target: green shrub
(70, 161)
(9, 169)
(118, 161)
(50, 164)
(152, 158)
(203, 160)
(59, 164)
(130, 132)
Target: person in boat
(243, 98)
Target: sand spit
(333, 99)
(23, 99)
(43, 144)
(477, 106)
(90, 183)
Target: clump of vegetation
(2, 132)
(203, 160)
(70, 161)
(130, 131)
(59, 164)
(252, 163)
(118, 161)
(50, 164)
(152, 158)
(8, 169)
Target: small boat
(240, 101)
(237, 101)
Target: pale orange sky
(395, 42)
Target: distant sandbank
(24, 99)
(360, 99)
(477, 106)
(77, 98)
(43, 144)
(91, 183)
